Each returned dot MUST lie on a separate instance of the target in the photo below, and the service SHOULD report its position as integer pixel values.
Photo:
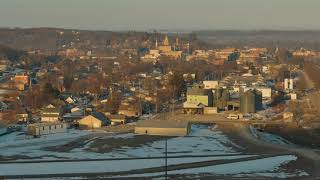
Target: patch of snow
(95, 166)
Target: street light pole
(166, 158)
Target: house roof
(49, 115)
(3, 105)
(197, 91)
(116, 116)
(50, 109)
(193, 105)
(99, 116)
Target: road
(207, 118)
(159, 169)
(310, 154)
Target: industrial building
(221, 98)
(251, 101)
(46, 128)
(197, 99)
(266, 91)
(198, 95)
(288, 84)
(162, 128)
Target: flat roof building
(162, 128)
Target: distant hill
(49, 38)
(266, 38)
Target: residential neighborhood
(159, 90)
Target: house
(74, 115)
(75, 109)
(129, 110)
(70, 100)
(293, 96)
(95, 120)
(162, 128)
(39, 129)
(22, 115)
(50, 114)
(117, 119)
(21, 78)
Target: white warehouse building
(266, 91)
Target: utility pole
(166, 159)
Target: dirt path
(242, 136)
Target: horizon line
(168, 30)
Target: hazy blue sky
(161, 14)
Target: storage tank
(250, 101)
(286, 84)
(291, 84)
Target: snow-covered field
(265, 167)
(202, 141)
(95, 166)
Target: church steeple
(177, 41)
(166, 41)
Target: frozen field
(206, 151)
(202, 141)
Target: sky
(162, 14)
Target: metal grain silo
(250, 101)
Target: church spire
(166, 41)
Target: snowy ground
(271, 138)
(95, 166)
(2, 130)
(266, 167)
(202, 141)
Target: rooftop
(162, 124)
